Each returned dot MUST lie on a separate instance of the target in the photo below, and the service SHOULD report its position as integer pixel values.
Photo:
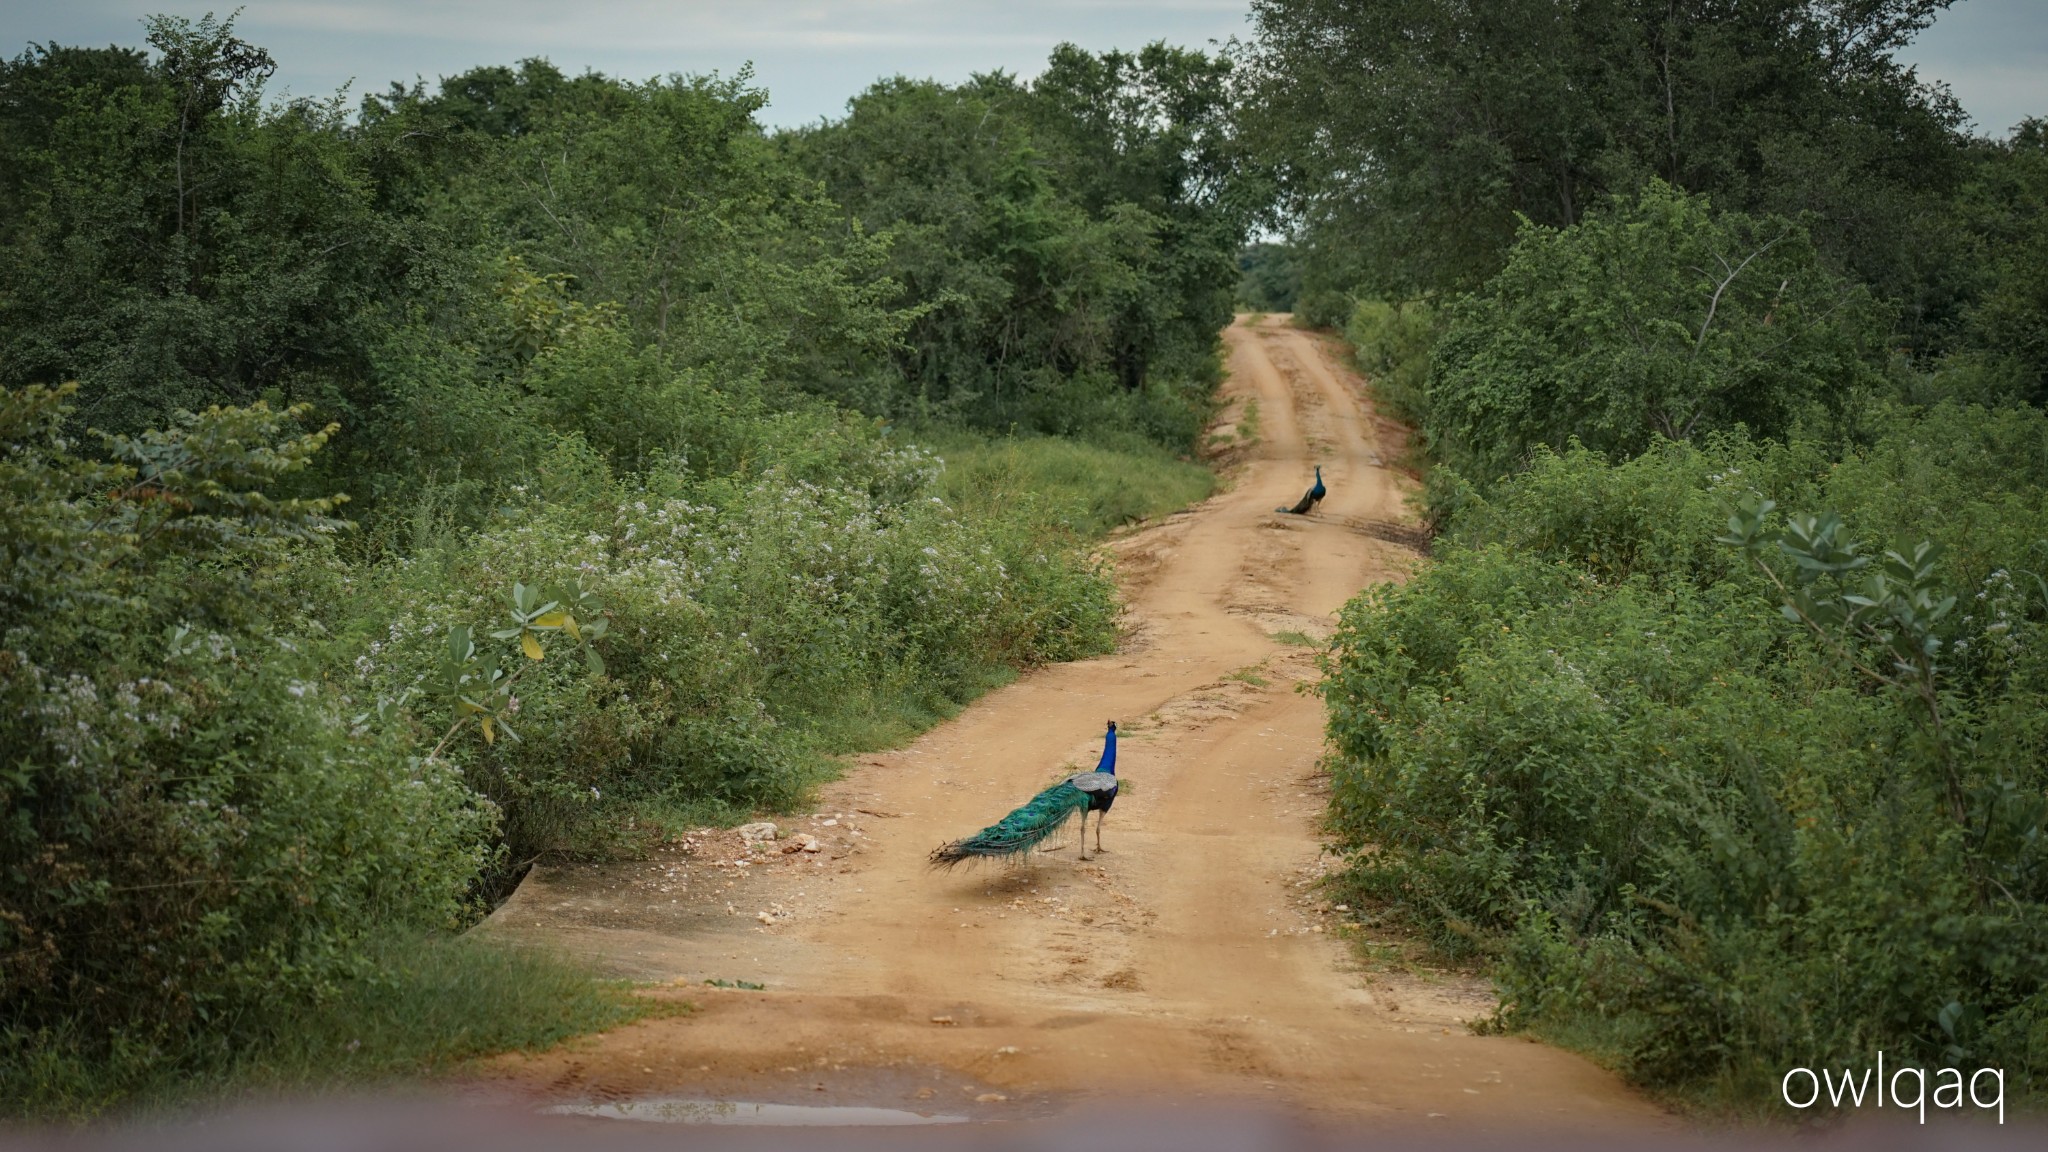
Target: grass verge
(1090, 488)
(416, 1004)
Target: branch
(461, 720)
(1715, 303)
(1792, 602)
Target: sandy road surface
(1192, 958)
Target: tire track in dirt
(1193, 957)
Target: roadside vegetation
(1715, 728)
(515, 469)
(526, 465)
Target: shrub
(1657, 317)
(1700, 836)
(746, 617)
(196, 830)
(1391, 342)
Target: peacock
(1047, 813)
(1310, 498)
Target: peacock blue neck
(1108, 752)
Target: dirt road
(1194, 957)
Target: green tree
(1156, 129)
(1269, 277)
(1412, 135)
(1656, 317)
(175, 243)
(2006, 206)
(1051, 238)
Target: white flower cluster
(1999, 605)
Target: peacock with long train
(1047, 812)
(1309, 499)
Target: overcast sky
(813, 54)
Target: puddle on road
(683, 1110)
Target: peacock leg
(1099, 818)
(1084, 834)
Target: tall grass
(417, 1003)
(1090, 487)
(1243, 432)
(1074, 491)
(1391, 342)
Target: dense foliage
(1710, 839)
(606, 373)
(194, 828)
(1716, 726)
(1391, 343)
(1412, 134)
(1269, 277)
(1656, 317)
(1064, 247)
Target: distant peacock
(1047, 813)
(1310, 498)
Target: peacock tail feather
(1020, 831)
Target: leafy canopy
(1654, 317)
